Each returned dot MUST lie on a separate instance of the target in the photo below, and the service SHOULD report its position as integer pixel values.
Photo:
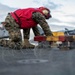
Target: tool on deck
(67, 41)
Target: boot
(3, 42)
(26, 44)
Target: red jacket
(25, 16)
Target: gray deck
(37, 62)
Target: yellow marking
(58, 33)
(52, 38)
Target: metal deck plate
(32, 61)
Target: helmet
(46, 12)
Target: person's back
(31, 17)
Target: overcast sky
(63, 13)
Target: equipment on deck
(67, 41)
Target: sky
(62, 11)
